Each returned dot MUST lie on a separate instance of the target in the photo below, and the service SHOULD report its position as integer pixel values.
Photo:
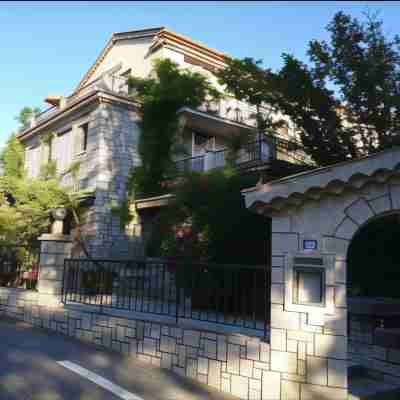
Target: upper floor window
(238, 115)
(81, 138)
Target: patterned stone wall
(114, 133)
(309, 347)
(231, 363)
(377, 357)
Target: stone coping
(165, 319)
(171, 321)
(54, 237)
(333, 178)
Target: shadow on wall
(28, 348)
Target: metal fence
(235, 295)
(19, 266)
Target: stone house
(97, 125)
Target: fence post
(54, 249)
(177, 293)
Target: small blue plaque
(310, 244)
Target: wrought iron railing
(110, 82)
(259, 151)
(191, 164)
(234, 295)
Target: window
(81, 139)
(308, 286)
(202, 143)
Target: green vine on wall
(168, 89)
(161, 97)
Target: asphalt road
(41, 365)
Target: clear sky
(45, 47)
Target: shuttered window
(62, 150)
(81, 139)
(33, 161)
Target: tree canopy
(160, 98)
(25, 116)
(345, 103)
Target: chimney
(56, 101)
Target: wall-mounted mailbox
(309, 280)
(309, 286)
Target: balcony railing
(255, 152)
(109, 82)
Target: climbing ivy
(160, 97)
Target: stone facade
(231, 363)
(116, 136)
(380, 359)
(310, 347)
(326, 208)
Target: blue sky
(46, 47)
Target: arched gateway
(314, 216)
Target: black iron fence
(235, 295)
(19, 266)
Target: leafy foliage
(28, 216)
(161, 97)
(12, 158)
(365, 67)
(25, 116)
(314, 110)
(24, 202)
(359, 117)
(208, 221)
(248, 82)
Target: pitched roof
(331, 180)
(161, 37)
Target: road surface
(41, 365)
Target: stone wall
(231, 363)
(115, 133)
(309, 346)
(367, 349)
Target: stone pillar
(308, 341)
(54, 249)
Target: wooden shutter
(78, 140)
(33, 161)
(63, 151)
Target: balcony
(254, 154)
(108, 82)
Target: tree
(314, 110)
(208, 221)
(12, 158)
(248, 82)
(360, 116)
(364, 65)
(160, 98)
(25, 116)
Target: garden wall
(231, 363)
(373, 343)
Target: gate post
(53, 250)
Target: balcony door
(201, 143)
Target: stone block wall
(309, 345)
(231, 363)
(379, 359)
(112, 152)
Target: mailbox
(310, 283)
